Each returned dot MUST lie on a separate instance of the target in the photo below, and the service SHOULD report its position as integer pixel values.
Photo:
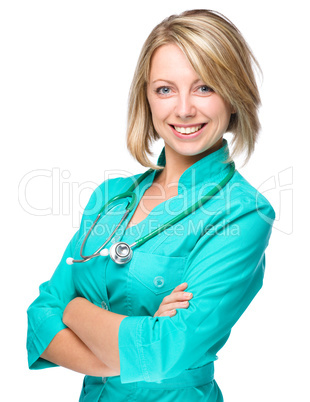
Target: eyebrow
(173, 83)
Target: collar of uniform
(208, 169)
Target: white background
(65, 72)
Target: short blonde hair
(222, 59)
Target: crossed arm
(90, 343)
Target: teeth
(187, 130)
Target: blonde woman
(146, 324)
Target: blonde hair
(222, 59)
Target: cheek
(158, 110)
(218, 110)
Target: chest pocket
(153, 277)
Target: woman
(118, 324)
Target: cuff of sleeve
(40, 339)
(132, 368)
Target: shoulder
(248, 198)
(241, 216)
(241, 205)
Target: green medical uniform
(219, 250)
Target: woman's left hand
(177, 299)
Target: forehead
(169, 62)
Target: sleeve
(224, 272)
(45, 313)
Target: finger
(168, 313)
(164, 313)
(171, 306)
(178, 296)
(164, 307)
(180, 287)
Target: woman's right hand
(177, 299)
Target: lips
(189, 131)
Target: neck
(176, 164)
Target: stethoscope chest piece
(121, 252)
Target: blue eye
(205, 89)
(163, 90)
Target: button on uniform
(159, 281)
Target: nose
(185, 107)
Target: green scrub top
(219, 250)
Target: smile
(188, 131)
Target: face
(188, 115)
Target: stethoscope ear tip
(104, 252)
(69, 260)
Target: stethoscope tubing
(189, 210)
(97, 252)
(131, 205)
(129, 208)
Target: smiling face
(188, 115)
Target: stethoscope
(121, 252)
